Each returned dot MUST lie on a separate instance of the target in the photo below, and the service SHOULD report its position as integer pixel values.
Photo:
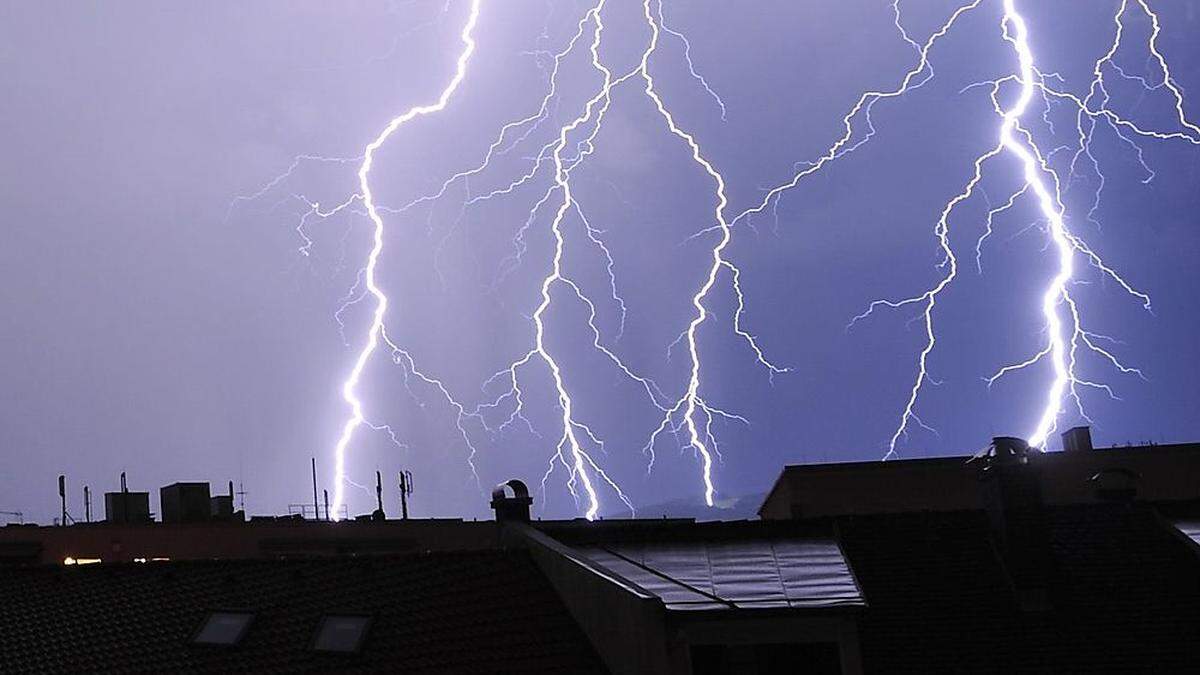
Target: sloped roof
(720, 564)
(738, 574)
(476, 611)
(1190, 528)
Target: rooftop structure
(1083, 560)
(1158, 473)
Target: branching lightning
(1065, 334)
(375, 332)
(1021, 100)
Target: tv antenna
(406, 488)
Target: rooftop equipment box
(185, 503)
(127, 507)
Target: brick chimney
(1012, 498)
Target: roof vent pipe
(514, 507)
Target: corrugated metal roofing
(747, 574)
(1191, 529)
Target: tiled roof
(478, 611)
(1124, 594)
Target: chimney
(511, 508)
(1077, 439)
(1012, 497)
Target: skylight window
(223, 628)
(341, 633)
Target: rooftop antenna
(378, 515)
(87, 503)
(326, 505)
(316, 506)
(62, 495)
(241, 493)
(124, 485)
(406, 487)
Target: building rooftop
(1084, 560)
(466, 611)
(1162, 472)
(1123, 591)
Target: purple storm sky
(158, 325)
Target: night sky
(157, 323)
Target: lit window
(80, 561)
(223, 628)
(338, 633)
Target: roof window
(341, 633)
(223, 628)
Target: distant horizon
(727, 506)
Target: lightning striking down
(375, 332)
(693, 407)
(1061, 348)
(577, 445)
(691, 402)
(577, 440)
(1052, 209)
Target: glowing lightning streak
(349, 393)
(929, 299)
(697, 416)
(843, 146)
(691, 401)
(1064, 360)
(1051, 207)
(1060, 350)
(581, 461)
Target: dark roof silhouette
(470, 611)
(1124, 592)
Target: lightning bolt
(1065, 334)
(1061, 348)
(851, 140)
(577, 444)
(1050, 204)
(699, 435)
(375, 332)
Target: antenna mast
(62, 495)
(316, 506)
(406, 488)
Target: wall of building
(258, 539)
(626, 625)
